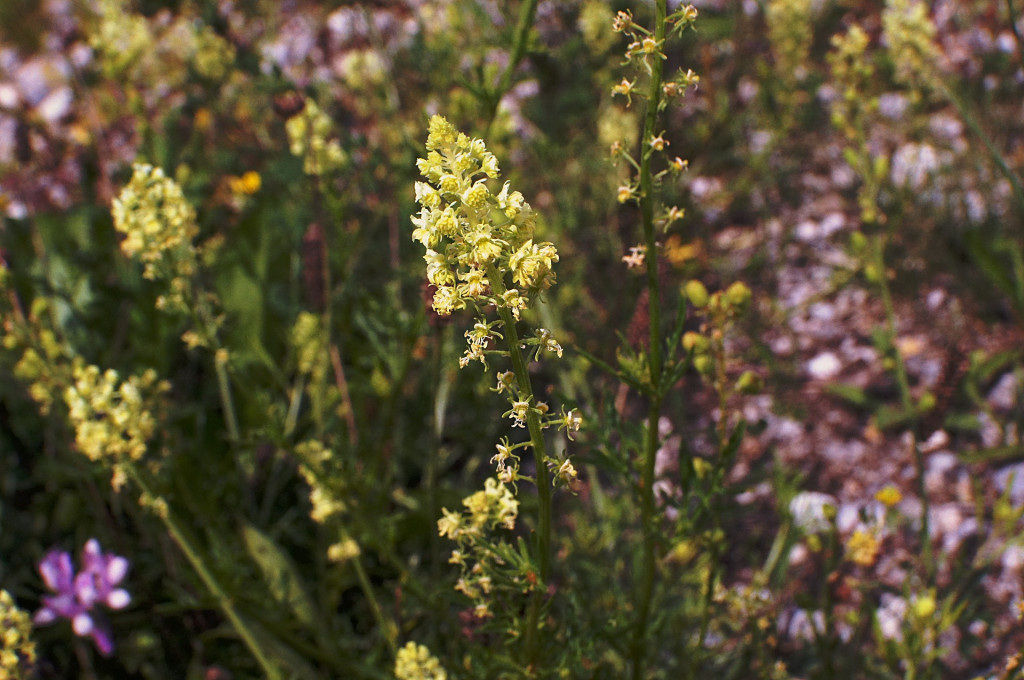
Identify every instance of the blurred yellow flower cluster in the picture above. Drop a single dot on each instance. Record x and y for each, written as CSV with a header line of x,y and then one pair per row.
x,y
910,34
490,507
159,225
111,417
309,139
415,662
17,651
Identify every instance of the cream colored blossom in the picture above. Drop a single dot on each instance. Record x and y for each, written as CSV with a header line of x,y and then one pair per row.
x,y
468,230
415,662
111,417
309,138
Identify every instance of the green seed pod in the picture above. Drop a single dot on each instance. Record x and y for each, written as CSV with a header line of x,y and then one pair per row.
x,y
704,363
738,295
696,342
858,243
696,293
749,383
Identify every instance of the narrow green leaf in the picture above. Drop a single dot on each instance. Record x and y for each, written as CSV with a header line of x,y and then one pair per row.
x,y
280,574
849,393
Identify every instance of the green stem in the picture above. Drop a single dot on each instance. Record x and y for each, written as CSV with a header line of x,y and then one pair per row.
x,y
526,17
655,360
226,402
543,480
227,604
908,406
387,627
1013,27
997,158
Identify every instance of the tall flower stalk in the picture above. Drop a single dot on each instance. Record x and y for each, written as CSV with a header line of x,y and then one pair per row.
x,y
481,253
646,53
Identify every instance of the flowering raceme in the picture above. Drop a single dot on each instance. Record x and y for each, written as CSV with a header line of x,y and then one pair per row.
x,y
479,244
159,226
111,417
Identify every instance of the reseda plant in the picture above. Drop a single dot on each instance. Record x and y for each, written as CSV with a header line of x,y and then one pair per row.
x,y
481,253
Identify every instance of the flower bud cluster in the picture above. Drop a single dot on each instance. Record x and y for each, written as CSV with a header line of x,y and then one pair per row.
x,y
121,37
910,35
485,510
790,33
644,46
415,662
328,495
854,76
36,366
493,507
707,346
159,226
17,649
111,417
213,55
853,73
479,244
309,138
307,339
133,49
317,467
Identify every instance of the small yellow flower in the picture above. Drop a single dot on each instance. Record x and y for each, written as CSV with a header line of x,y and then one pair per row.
x,y
862,548
450,524
924,606
566,473
625,88
343,551
246,185
572,422
659,143
889,496
623,21
203,119
636,257
519,412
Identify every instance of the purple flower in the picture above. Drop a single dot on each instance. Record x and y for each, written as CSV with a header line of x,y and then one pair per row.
x,y
77,595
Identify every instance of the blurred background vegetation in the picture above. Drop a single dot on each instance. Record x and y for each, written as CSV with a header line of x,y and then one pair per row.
x,y
883,249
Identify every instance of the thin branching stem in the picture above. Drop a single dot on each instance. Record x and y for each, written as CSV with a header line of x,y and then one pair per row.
x,y
543,480
645,588
527,14
906,402
224,600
